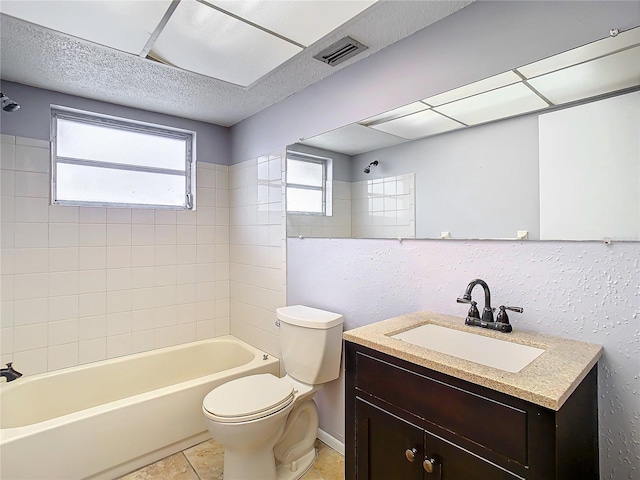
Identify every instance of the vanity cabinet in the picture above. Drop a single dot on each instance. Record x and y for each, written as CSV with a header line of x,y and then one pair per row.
x,y
406,422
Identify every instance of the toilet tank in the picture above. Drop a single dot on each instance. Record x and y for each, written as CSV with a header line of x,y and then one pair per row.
x,y
311,343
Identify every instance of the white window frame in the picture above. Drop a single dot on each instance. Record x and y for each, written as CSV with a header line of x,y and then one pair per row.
x,y
326,188
92,118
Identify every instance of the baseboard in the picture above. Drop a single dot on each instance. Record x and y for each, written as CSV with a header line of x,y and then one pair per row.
x,y
333,442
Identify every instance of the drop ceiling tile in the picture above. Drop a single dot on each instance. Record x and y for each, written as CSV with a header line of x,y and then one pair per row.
x,y
304,22
395,113
481,86
582,54
353,139
603,75
123,25
418,125
203,40
501,103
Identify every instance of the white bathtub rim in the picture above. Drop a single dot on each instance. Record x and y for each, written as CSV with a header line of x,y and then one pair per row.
x,y
16,433
53,373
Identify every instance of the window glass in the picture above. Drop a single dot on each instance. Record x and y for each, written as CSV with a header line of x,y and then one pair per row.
x,y
307,183
81,183
304,200
99,160
105,144
304,173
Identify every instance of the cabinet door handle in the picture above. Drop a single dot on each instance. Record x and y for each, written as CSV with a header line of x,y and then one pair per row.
x,y
411,453
429,464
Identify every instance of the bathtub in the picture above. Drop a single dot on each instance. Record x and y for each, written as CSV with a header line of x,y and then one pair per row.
x,y
105,419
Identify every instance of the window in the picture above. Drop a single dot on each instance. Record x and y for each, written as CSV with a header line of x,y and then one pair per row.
x,y
308,184
107,161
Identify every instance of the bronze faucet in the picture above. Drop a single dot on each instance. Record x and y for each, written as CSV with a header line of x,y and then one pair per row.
x,y
9,373
473,316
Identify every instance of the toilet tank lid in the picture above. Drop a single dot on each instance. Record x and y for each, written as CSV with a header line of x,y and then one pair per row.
x,y
309,317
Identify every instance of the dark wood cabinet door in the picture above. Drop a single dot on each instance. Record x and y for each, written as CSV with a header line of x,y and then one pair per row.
x,y
455,463
382,441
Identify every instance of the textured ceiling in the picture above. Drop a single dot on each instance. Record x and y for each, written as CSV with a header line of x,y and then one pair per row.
x,y
43,58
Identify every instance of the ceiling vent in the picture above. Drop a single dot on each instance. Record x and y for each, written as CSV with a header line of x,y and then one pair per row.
x,y
340,51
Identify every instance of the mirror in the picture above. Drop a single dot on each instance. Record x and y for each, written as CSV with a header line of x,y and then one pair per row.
x,y
546,151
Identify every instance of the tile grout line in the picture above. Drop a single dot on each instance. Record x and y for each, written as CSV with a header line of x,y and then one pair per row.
x,y
193,469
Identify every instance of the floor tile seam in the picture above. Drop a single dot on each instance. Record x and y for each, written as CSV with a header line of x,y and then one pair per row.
x,y
190,465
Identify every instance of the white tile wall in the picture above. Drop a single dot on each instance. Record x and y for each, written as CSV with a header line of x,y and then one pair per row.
x,y
257,250
384,207
84,284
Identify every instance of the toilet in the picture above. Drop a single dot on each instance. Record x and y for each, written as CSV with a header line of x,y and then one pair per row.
x,y
268,425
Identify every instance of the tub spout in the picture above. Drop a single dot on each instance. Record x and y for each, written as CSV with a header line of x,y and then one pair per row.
x,y
9,373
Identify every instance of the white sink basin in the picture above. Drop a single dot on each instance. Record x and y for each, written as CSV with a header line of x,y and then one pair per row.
x,y
501,354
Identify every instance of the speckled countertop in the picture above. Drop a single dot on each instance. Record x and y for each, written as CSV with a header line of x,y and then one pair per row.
x,y
547,381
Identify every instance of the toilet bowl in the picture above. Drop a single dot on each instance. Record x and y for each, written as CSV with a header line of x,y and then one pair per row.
x,y
273,430
268,425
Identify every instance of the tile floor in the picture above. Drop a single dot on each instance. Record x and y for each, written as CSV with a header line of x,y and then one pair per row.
x,y
204,462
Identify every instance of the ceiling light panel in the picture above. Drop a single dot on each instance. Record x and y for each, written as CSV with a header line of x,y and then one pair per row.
x,y
604,75
501,103
123,25
203,40
398,112
304,22
353,139
418,125
491,83
582,54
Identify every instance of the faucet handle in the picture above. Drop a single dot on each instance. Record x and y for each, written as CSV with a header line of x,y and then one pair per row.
x,y
473,311
515,309
502,314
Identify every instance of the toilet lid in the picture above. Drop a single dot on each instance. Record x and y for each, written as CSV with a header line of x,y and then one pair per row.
x,y
248,398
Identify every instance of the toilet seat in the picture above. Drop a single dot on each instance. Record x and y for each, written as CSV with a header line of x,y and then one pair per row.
x,y
248,398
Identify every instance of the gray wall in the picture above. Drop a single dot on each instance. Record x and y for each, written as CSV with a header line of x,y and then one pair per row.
x,y
480,182
584,291
34,117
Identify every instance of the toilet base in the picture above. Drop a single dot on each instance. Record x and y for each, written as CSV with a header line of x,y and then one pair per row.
x,y
297,468
264,468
